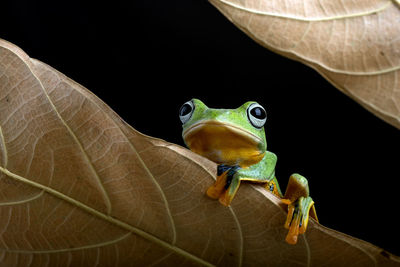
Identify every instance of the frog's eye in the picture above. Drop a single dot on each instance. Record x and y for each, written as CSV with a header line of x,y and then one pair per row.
x,y
186,111
257,115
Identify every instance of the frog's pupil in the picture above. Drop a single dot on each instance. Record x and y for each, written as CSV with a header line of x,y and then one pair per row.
x,y
185,109
258,113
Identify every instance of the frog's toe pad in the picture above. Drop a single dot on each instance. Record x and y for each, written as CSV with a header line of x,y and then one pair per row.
x,y
217,189
213,192
293,222
226,198
297,219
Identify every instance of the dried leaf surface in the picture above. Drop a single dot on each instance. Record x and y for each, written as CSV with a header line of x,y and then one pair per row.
x,y
355,45
79,187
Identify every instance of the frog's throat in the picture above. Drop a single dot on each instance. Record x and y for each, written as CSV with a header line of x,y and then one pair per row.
x,y
223,142
213,123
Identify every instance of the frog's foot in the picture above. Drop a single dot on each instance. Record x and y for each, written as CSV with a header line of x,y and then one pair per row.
x,y
216,190
222,189
300,207
298,216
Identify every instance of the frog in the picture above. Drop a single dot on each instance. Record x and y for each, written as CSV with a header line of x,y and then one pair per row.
x,y
235,140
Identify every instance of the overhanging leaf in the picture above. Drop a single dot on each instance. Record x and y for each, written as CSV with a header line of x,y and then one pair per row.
x,y
79,187
355,45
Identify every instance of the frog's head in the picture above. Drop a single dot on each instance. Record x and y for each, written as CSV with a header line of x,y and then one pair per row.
x,y
228,136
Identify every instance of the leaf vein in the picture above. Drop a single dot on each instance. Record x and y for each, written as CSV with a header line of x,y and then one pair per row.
x,y
172,148
108,218
101,244
4,148
19,202
141,162
104,193
300,18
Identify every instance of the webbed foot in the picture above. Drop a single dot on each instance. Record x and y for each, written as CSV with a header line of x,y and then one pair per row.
x,y
300,207
297,219
225,186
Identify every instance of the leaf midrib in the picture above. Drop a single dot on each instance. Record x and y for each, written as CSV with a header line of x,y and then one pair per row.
x,y
105,217
305,19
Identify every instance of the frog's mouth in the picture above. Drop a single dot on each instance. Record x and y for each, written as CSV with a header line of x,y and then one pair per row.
x,y
224,143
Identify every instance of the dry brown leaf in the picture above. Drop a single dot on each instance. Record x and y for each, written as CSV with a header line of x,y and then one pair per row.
x,y
355,45
79,187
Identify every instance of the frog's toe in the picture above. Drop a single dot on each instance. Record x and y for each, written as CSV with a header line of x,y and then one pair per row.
x,y
216,190
225,199
223,188
228,195
297,219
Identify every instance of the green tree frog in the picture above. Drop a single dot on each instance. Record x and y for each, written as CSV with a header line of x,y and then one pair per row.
x,y
235,140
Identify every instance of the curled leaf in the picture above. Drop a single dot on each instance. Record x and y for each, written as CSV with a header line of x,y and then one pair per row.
x,y
353,44
79,187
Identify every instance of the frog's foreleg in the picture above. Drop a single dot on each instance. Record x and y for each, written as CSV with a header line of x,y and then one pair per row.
x,y
231,186
218,187
300,207
226,184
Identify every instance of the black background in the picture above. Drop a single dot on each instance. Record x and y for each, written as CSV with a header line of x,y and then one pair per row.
x,y
146,58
